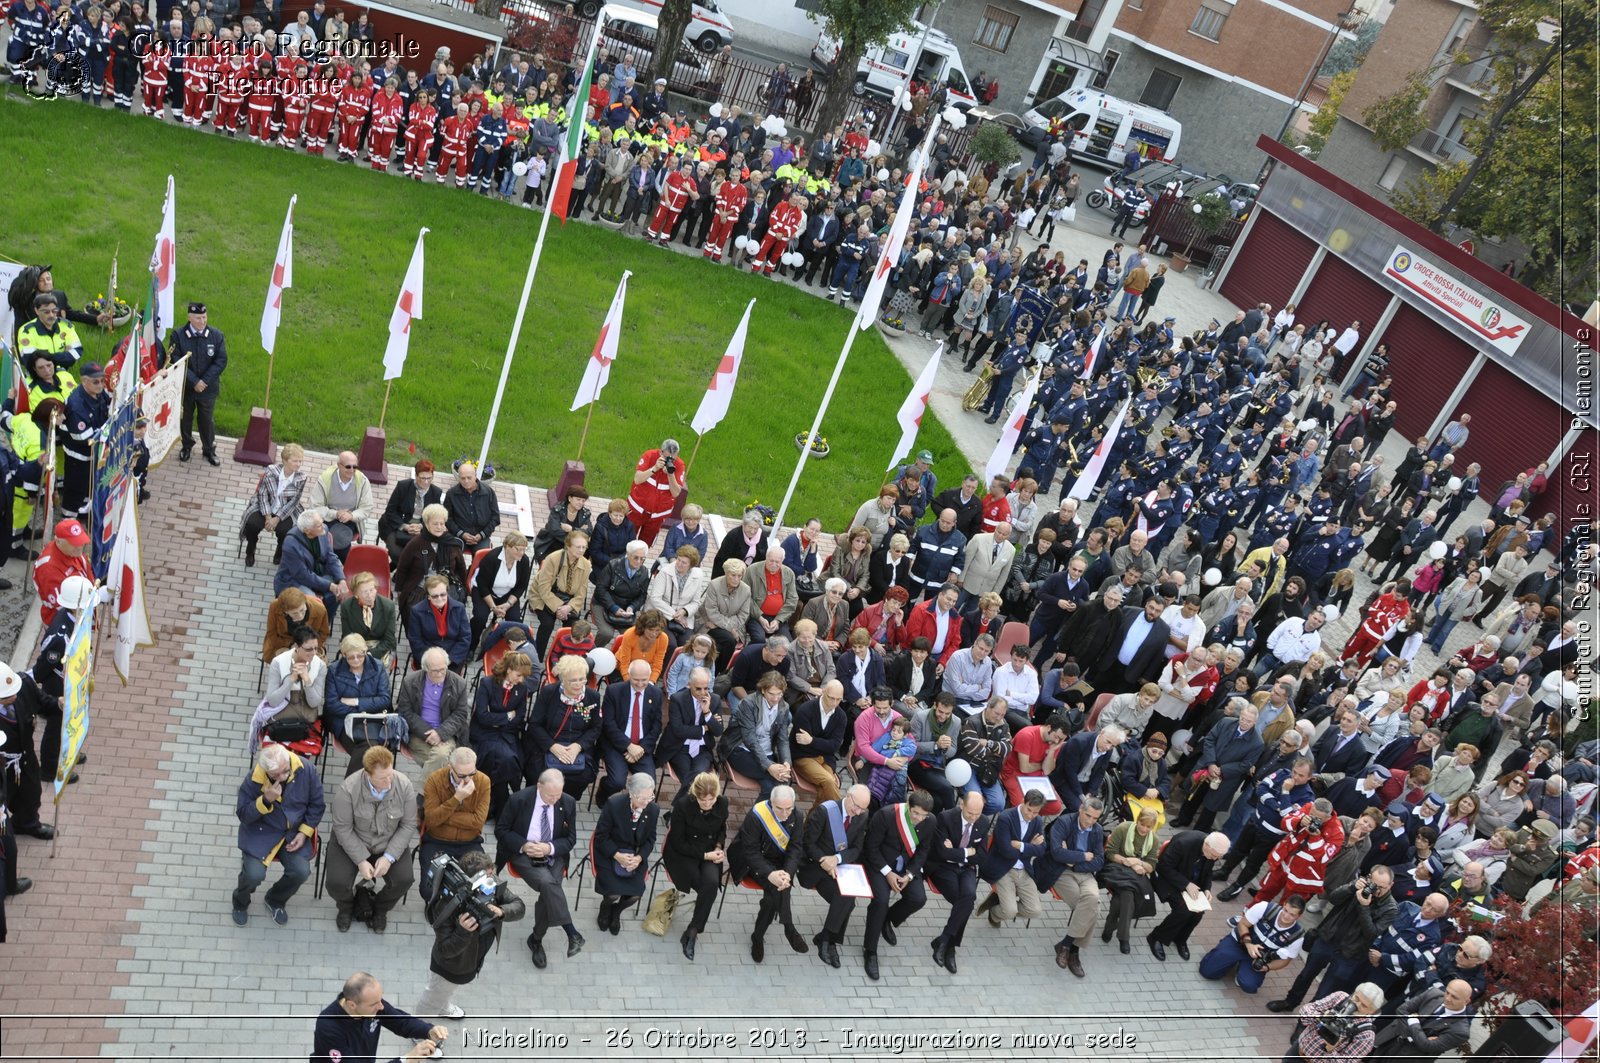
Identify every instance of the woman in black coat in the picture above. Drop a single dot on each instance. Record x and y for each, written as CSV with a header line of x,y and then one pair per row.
x,y
694,852
500,584
899,670
1388,533
499,717
748,543
1222,555
433,551
624,840
563,727
891,567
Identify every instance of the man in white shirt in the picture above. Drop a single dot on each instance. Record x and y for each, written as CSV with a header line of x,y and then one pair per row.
x,y
1018,683
1294,640
1348,339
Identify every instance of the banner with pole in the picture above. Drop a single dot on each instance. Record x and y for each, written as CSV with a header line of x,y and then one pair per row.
x,y
1094,468
125,581
113,474
597,370
914,408
77,668
1012,432
161,401
282,280
164,259
719,393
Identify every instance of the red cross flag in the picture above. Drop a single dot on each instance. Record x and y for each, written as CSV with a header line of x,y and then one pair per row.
x,y
407,308
1012,431
916,404
719,393
125,580
598,369
164,260
1096,466
160,402
282,279
890,256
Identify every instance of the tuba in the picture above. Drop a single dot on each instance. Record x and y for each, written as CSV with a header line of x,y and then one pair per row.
x,y
1147,375
979,391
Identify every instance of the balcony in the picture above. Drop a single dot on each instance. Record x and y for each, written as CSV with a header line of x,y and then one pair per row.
x,y
1435,147
1473,77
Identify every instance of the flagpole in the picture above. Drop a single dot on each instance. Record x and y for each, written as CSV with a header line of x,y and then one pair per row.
x,y
111,285
689,465
581,439
266,399
387,388
816,424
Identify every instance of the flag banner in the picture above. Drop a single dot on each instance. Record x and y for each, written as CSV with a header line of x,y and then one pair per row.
x,y
1090,358
1095,467
572,143
1012,432
598,369
890,256
161,402
125,581
76,669
164,260
10,374
281,280
719,393
915,406
113,473
407,308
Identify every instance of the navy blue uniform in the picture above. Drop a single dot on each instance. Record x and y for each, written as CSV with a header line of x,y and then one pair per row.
x,y
208,357
86,415
342,1038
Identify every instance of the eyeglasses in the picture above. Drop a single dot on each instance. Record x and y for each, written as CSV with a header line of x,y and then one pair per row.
x,y
439,597
345,467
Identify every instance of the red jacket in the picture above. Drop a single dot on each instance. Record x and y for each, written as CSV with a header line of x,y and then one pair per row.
x,y
675,193
1304,858
786,222
894,637
198,71
653,499
456,129
922,623
1434,702
423,120
156,64
354,102
386,112
50,570
731,200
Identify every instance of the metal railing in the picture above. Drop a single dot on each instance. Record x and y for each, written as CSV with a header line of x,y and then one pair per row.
x,y
1434,143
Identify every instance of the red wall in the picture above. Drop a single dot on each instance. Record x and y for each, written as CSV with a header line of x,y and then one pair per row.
x,y
1270,264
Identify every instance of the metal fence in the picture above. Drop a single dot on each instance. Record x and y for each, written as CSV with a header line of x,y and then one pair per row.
x,y
1172,222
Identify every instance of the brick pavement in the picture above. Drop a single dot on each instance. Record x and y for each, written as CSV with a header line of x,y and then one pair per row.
x,y
124,948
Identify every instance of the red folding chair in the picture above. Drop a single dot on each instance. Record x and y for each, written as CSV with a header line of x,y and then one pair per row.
x,y
472,571
369,557
1012,634
1093,719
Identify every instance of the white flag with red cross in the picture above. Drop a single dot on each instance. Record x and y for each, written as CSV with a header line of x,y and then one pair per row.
x,y
161,401
890,256
164,260
1011,432
598,369
719,393
282,279
915,406
407,308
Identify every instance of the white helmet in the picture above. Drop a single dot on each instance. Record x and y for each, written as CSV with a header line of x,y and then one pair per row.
x,y
75,592
10,682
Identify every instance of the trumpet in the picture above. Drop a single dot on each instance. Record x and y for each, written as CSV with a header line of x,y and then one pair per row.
x,y
979,391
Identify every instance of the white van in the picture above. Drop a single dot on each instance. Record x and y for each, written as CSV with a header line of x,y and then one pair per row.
x,y
1105,128
709,29
883,70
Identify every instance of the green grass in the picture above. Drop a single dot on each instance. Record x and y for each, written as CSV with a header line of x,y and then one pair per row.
x,y
94,180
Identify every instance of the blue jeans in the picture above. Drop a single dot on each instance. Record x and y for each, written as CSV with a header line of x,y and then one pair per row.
x,y
252,872
1439,633
746,764
994,797
1129,301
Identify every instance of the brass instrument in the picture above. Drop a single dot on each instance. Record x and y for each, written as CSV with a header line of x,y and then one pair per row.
x,y
1147,376
979,391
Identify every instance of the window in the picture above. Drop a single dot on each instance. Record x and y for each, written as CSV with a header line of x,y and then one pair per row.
x,y
1160,89
1110,61
1392,174
995,29
1209,18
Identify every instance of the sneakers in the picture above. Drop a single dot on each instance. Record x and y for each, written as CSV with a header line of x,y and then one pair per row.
x,y
279,915
240,917
453,1011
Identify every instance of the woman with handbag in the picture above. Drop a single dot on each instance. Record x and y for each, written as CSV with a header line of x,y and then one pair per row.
x,y
570,517
296,681
357,682
624,839
499,717
561,589
1130,861
434,551
694,853
563,726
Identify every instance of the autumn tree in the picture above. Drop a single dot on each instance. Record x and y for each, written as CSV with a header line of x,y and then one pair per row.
x,y
675,17
857,26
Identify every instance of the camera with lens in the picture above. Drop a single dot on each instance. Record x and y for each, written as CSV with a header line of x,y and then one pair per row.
x,y
1339,1023
670,466
1366,891
470,893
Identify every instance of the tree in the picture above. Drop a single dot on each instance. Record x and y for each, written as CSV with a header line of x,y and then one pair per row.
x,y
1396,120
1348,52
1532,173
857,26
991,142
1546,959
675,17
1327,117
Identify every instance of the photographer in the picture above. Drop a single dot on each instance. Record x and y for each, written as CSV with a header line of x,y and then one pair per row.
x,y
1266,937
466,914
1361,911
657,483
1337,1027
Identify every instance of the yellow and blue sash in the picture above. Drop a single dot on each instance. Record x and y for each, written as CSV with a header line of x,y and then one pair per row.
x,y
775,829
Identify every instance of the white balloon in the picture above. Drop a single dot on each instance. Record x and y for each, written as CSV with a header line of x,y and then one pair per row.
x,y
716,110
1213,577
958,773
955,118
602,661
741,242
904,103
883,174
1454,484
1438,550
874,149
796,258
1180,740
1330,613
519,167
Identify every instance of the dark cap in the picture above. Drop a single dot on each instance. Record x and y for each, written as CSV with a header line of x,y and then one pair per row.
x,y
1399,808
1432,798
89,369
197,308
44,299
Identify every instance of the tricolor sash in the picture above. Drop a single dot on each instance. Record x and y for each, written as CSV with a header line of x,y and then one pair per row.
x,y
908,829
775,829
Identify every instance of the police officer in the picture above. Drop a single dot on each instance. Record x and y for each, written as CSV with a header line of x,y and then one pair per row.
x,y
88,408
47,333
208,357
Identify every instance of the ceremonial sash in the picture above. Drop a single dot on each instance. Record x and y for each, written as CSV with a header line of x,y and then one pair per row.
x,y
836,824
908,829
775,830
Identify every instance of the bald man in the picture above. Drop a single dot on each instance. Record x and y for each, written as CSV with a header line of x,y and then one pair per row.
x,y
821,725
834,834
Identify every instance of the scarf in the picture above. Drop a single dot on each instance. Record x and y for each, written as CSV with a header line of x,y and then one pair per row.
x,y
1131,846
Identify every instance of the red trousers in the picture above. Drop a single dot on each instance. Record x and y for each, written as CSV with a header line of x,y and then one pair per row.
x,y
766,259
260,122
349,137
194,105
318,122
1275,881
227,115
154,97
661,223
717,238
1361,645
416,158
380,145
294,119
460,159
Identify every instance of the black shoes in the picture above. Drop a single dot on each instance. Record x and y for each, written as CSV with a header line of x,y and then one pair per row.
x,y
796,941
950,959
1280,1006
827,952
185,453
1233,890
758,949
1157,950
940,951
687,941
870,961
342,921
23,885
888,933
536,947
1105,935
43,831
379,923
211,459
1182,950
1126,948
574,944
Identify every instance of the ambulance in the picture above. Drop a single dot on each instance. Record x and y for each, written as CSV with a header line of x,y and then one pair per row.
x,y
885,67
1103,128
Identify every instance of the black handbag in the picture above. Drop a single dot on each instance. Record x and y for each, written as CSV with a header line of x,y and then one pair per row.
x,y
1119,878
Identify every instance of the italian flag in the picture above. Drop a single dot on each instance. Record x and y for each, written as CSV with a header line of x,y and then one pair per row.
x,y
572,143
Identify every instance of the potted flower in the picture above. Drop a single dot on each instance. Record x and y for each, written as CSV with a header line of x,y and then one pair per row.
x,y
1211,213
116,306
892,324
766,513
818,444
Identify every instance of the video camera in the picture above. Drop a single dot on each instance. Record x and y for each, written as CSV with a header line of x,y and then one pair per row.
x,y
472,894
1340,1023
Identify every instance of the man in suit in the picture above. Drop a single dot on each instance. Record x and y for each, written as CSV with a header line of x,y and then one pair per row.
x,y
1015,841
898,839
630,727
835,832
960,835
986,566
1229,752
1340,750
535,834
402,517
768,851
1183,870
1435,1021
820,731
692,727
1418,534
1081,768
1075,851
1136,649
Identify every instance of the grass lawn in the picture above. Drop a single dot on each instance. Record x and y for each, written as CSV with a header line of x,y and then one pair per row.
x,y
95,180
